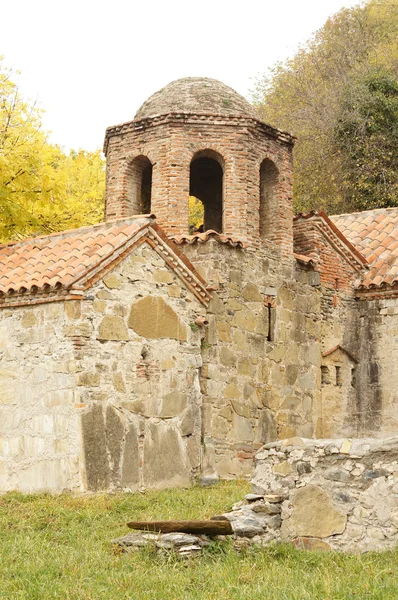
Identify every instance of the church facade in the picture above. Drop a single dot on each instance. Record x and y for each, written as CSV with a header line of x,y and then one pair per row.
x,y
136,354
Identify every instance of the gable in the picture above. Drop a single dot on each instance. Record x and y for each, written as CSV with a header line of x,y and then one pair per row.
x,y
64,265
339,263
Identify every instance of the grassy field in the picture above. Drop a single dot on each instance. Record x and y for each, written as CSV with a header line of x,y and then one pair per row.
x,y
59,547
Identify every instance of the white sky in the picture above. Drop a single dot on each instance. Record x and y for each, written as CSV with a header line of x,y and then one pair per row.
x,y
91,63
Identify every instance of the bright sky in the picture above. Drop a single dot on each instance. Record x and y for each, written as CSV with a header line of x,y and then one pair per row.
x,y
91,63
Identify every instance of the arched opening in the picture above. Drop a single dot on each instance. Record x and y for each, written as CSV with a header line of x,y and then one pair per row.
x,y
139,185
206,184
268,197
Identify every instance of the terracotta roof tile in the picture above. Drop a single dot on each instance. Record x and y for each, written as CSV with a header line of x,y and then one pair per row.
x,y
201,238
375,235
72,260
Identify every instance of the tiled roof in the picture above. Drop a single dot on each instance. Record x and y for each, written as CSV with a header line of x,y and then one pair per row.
x,y
69,261
201,238
375,234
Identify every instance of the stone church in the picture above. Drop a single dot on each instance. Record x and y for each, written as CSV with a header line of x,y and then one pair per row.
x,y
135,354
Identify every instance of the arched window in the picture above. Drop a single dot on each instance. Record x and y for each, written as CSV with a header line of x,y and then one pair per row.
x,y
268,197
206,184
139,185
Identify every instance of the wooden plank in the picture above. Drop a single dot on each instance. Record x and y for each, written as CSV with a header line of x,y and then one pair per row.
x,y
222,527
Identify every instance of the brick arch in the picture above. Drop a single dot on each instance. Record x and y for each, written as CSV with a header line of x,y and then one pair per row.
x,y
206,182
269,192
137,175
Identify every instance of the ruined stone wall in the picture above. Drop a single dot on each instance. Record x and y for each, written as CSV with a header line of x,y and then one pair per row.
x,y
260,380
39,429
171,141
103,393
333,493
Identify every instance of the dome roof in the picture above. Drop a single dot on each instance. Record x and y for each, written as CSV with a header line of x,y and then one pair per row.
x,y
196,95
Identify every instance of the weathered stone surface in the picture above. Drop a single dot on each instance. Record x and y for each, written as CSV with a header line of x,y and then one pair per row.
x,y
112,281
94,447
131,460
251,293
153,318
314,514
114,432
163,276
114,328
266,427
173,404
165,460
242,429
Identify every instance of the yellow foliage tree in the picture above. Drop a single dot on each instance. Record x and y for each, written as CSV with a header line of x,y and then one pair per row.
x,y
42,189
195,213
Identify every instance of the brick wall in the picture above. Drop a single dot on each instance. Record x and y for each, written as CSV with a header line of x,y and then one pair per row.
x,y
171,141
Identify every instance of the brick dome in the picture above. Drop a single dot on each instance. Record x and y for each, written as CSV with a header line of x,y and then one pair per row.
x,y
196,95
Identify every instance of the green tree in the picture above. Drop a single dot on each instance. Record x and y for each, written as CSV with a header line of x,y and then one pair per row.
x,y
42,189
366,137
309,95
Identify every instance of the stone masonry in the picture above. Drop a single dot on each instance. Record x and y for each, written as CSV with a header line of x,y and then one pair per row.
x,y
136,354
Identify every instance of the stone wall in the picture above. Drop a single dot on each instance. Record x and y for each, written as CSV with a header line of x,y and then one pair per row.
x,y
261,354
338,493
103,393
140,377
39,400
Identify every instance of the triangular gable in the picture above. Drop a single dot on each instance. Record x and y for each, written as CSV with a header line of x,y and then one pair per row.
x,y
335,349
64,265
334,237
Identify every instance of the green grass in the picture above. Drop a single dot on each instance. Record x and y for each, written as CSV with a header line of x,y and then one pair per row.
x,y
59,547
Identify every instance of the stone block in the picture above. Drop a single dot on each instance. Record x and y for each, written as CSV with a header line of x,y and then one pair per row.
x,y
227,357
172,405
152,318
114,328
266,427
163,276
165,461
97,472
241,408
88,379
104,295
118,383
313,515
242,429
112,281
174,291
73,309
80,330
251,294
114,433
29,319
189,420
99,305
131,460
232,391
224,331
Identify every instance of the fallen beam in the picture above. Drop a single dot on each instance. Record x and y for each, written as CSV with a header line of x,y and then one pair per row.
x,y
222,527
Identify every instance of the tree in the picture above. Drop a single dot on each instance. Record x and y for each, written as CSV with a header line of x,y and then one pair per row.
x,y
42,189
366,137
309,95
195,213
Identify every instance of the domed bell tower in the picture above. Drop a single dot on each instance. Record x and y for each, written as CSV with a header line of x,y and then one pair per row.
x,y
199,137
